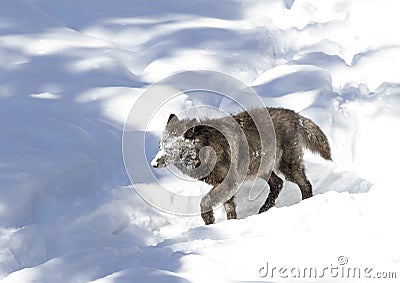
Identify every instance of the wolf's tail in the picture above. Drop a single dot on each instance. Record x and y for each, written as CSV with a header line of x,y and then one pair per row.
x,y
314,139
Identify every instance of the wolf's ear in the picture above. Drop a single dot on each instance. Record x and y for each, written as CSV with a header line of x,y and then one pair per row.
x,y
172,116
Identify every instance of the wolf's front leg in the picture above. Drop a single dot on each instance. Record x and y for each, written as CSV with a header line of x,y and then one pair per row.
x,y
223,193
230,209
206,209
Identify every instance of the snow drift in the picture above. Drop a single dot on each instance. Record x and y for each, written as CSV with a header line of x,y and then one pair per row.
x,y
70,72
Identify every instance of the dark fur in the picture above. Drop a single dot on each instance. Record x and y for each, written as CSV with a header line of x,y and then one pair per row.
x,y
293,132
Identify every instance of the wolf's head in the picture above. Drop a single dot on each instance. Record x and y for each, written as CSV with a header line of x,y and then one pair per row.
x,y
174,146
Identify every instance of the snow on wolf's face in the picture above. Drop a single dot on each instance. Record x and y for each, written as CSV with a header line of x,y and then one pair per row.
x,y
174,148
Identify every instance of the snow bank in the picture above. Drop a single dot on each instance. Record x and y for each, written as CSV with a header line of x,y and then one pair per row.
x,y
70,72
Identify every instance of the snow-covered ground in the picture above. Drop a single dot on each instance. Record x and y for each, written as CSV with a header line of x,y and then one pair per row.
x,y
70,72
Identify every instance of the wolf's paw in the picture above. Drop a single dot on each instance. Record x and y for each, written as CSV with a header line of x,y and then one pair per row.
x,y
231,215
264,208
208,217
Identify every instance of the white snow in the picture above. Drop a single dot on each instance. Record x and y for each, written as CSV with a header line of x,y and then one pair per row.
x,y
70,72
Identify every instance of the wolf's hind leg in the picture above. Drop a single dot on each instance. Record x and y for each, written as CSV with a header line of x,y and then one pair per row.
x,y
299,177
305,186
230,209
275,186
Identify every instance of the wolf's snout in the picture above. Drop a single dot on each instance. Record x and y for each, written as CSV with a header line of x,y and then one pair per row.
x,y
158,161
155,162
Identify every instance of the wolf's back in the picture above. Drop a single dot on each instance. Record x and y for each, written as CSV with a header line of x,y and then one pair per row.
x,y
313,137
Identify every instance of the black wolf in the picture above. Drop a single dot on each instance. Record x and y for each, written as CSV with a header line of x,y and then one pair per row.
x,y
183,140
